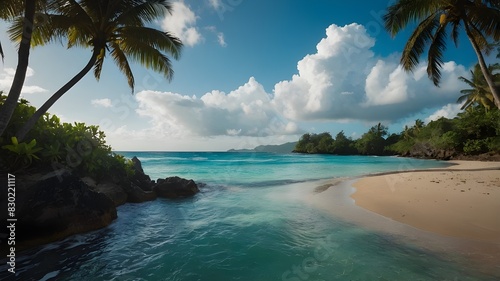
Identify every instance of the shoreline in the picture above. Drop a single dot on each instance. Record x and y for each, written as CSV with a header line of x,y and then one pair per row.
x,y
342,201
462,200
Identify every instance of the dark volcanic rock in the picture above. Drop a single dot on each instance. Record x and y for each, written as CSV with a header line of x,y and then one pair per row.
x,y
138,195
114,192
58,207
426,150
139,178
175,187
137,165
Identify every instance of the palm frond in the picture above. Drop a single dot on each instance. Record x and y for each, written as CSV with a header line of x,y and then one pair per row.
x,y
435,55
162,41
11,9
455,32
468,103
99,63
462,98
467,91
149,57
465,80
480,39
486,18
417,42
403,12
122,62
146,11
74,10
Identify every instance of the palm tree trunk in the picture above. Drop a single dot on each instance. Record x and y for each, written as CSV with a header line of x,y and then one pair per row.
x,y
1,51
482,64
21,134
10,104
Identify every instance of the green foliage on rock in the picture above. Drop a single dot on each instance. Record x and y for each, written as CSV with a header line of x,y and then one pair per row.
x,y
56,146
24,152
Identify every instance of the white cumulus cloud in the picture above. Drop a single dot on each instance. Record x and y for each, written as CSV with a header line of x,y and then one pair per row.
x,y
246,111
345,80
7,76
182,23
102,103
448,111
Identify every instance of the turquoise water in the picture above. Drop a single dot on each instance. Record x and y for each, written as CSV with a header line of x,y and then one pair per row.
x,y
241,226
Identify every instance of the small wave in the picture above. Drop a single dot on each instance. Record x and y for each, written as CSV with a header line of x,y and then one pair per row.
x,y
244,160
50,275
199,158
145,159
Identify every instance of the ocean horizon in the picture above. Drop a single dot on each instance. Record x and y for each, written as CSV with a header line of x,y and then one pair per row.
x,y
245,224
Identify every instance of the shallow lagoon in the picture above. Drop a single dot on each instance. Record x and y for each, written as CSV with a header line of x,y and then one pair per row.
x,y
246,224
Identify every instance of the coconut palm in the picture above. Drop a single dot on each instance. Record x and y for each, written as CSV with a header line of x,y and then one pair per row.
x,y
480,92
407,133
436,19
9,9
115,27
419,124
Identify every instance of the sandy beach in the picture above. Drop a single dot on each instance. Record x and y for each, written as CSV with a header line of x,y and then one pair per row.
x,y
452,211
460,201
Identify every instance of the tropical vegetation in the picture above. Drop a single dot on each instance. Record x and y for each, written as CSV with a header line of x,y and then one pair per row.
x,y
117,27
479,93
438,19
473,132
8,10
57,147
120,28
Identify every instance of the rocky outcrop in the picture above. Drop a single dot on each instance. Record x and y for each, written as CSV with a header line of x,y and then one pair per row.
x,y
426,150
60,206
52,206
139,178
114,192
136,189
175,187
137,195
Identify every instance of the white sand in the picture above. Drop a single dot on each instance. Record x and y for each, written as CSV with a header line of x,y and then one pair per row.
x,y
450,201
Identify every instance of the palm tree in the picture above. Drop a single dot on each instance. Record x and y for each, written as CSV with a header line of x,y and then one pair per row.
x,y
479,18
379,130
407,133
419,124
479,92
117,27
9,9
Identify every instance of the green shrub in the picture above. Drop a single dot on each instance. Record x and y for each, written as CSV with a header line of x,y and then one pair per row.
x,y
54,146
473,147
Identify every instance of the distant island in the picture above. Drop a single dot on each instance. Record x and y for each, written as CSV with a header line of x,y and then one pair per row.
x,y
280,148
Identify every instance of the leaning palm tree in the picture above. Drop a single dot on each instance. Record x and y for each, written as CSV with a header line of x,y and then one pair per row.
x,y
8,10
419,124
117,27
480,92
436,18
407,133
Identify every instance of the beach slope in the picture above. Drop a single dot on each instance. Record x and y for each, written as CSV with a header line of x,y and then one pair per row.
x,y
460,201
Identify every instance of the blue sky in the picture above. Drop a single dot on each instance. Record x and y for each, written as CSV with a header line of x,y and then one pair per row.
x,y
251,73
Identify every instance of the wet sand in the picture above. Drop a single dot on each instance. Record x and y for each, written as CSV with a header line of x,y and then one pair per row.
x,y
454,211
460,201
